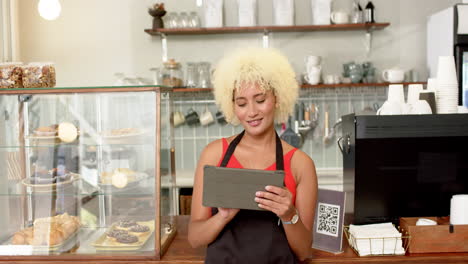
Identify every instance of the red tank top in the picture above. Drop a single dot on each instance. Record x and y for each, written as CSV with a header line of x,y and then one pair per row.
x,y
288,177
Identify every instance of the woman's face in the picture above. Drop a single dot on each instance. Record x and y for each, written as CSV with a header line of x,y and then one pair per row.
x,y
255,108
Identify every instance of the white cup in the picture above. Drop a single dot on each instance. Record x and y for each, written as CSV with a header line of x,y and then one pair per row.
x,y
413,92
312,60
206,118
396,93
459,209
420,107
446,73
390,108
393,75
432,84
329,79
337,79
313,78
339,17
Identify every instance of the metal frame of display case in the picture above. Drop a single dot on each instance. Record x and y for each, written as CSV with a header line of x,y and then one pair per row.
x,y
159,248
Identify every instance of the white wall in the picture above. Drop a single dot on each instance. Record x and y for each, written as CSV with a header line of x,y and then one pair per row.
x,y
94,39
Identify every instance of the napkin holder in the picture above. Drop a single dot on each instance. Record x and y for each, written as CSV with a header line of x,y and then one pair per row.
x,y
442,237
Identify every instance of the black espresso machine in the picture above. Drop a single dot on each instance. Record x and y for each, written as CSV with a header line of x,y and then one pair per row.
x,y
403,165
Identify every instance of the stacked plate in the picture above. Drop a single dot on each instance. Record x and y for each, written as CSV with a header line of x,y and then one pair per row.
x,y
447,86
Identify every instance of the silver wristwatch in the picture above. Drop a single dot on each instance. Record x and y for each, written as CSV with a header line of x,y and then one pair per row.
x,y
294,219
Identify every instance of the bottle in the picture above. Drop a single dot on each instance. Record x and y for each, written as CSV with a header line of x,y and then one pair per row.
x,y
370,13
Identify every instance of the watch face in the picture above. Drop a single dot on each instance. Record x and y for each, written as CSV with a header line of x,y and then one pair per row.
x,y
295,219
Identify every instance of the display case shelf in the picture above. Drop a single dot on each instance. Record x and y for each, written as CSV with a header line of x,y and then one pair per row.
x,y
266,29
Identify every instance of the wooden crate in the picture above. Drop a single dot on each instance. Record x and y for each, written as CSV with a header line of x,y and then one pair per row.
x,y
437,238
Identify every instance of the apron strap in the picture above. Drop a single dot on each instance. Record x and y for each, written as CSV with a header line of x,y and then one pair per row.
x,y
235,142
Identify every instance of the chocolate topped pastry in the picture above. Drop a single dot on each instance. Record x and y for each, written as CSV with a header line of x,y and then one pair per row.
x,y
126,239
139,228
116,233
126,223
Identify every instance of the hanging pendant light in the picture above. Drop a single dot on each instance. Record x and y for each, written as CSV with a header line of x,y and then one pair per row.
x,y
49,9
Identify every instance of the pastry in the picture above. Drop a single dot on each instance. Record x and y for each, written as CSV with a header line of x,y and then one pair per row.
x,y
47,231
138,230
67,132
46,130
116,232
119,180
126,239
125,224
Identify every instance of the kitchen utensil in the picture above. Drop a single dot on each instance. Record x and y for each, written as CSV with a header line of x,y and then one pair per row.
x,y
326,131
291,136
332,132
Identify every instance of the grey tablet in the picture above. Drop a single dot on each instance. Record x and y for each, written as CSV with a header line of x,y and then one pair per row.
x,y
235,188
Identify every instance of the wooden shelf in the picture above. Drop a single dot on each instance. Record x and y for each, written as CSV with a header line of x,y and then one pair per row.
x,y
384,84
308,86
260,29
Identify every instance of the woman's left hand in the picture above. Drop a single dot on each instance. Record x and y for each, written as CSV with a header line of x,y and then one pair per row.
x,y
277,200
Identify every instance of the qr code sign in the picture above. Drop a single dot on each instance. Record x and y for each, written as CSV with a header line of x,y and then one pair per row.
x,y
328,219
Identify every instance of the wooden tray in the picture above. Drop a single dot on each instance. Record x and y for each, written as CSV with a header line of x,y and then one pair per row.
x,y
436,238
103,243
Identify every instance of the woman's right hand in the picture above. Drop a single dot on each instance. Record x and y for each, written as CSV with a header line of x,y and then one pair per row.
x,y
227,213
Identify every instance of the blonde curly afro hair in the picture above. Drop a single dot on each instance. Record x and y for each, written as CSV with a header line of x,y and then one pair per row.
x,y
265,66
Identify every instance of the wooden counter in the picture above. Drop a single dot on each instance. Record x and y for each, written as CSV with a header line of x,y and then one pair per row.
x,y
181,252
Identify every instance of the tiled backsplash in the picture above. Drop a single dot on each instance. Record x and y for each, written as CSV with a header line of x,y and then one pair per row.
x,y
190,141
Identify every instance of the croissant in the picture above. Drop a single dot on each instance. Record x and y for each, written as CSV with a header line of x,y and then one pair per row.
x,y
47,231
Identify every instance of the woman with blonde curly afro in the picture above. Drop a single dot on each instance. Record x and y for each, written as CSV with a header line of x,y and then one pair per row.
x,y
255,88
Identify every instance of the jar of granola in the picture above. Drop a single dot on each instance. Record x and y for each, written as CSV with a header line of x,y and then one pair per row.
x,y
11,75
39,75
172,74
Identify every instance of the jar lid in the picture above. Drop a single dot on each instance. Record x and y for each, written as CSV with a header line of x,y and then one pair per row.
x,y
171,64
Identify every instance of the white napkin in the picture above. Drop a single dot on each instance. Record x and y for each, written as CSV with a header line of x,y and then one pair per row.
x,y
375,239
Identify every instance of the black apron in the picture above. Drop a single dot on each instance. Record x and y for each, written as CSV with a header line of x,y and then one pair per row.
x,y
251,237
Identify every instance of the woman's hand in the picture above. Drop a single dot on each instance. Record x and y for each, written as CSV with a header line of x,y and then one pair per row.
x,y
227,213
277,200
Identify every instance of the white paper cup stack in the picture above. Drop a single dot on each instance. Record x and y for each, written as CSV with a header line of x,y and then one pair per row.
x,y
459,209
447,86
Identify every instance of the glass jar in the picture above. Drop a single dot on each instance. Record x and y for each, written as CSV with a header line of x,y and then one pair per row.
x,y
39,75
172,74
11,75
204,75
192,75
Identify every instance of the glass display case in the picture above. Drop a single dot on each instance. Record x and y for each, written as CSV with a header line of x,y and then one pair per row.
x,y
86,173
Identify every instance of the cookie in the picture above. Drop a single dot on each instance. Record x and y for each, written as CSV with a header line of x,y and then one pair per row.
x,y
126,239
138,229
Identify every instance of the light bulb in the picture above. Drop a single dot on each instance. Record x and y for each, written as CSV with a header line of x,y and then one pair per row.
x,y
49,9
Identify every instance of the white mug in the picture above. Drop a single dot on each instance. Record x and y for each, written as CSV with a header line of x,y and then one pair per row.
x,y
339,17
329,79
393,75
312,60
313,78
206,118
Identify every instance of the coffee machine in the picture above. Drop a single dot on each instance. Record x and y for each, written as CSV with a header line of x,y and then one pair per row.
x,y
403,165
